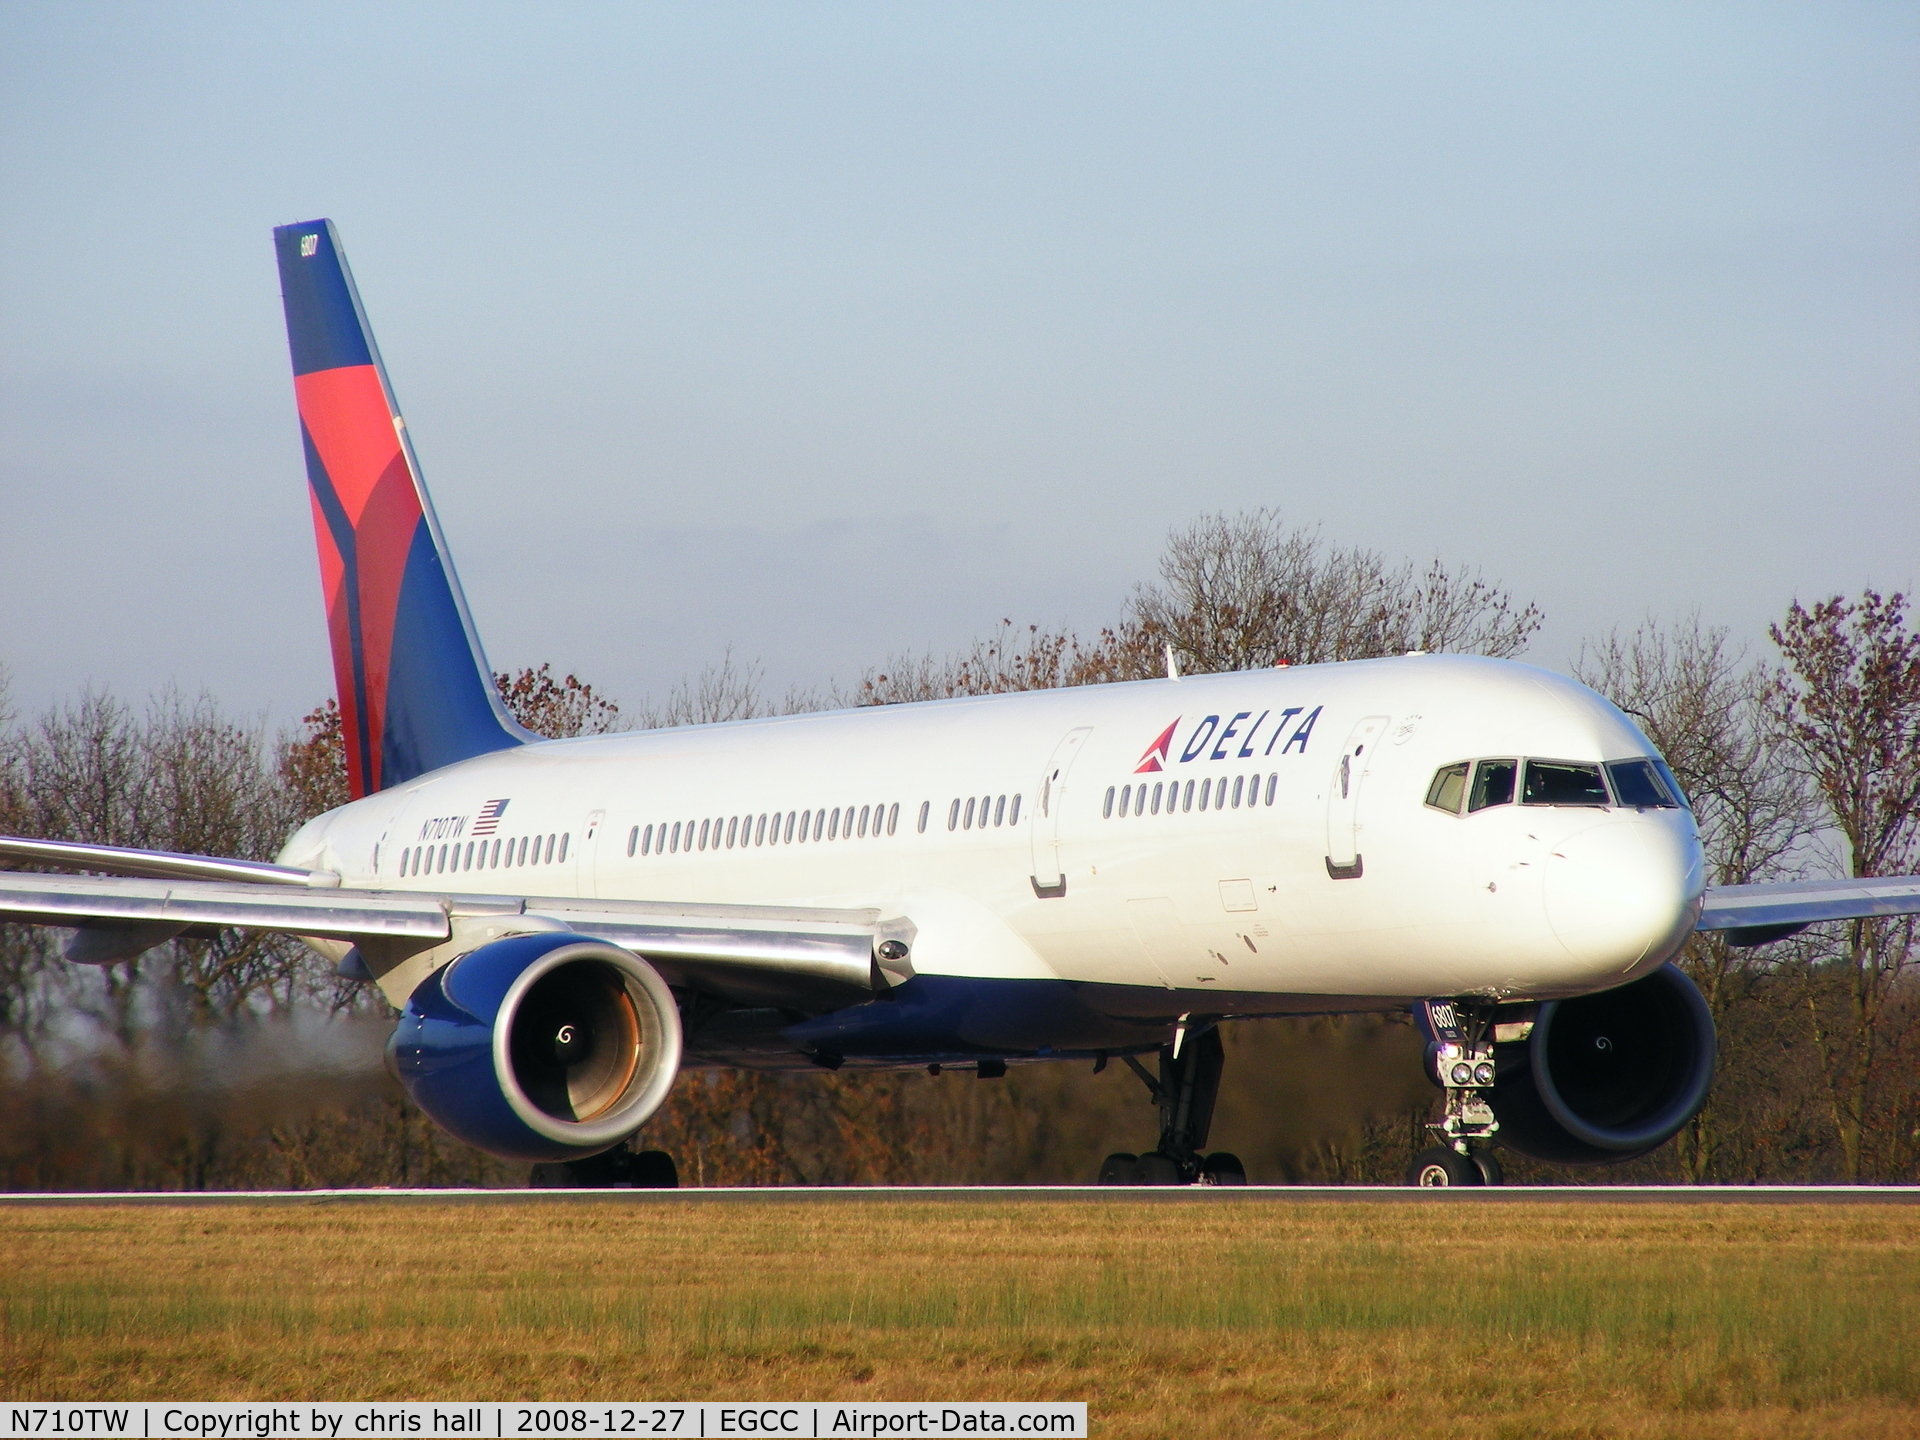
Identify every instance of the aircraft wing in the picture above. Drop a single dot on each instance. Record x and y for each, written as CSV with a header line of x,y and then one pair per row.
x,y
1760,914
804,958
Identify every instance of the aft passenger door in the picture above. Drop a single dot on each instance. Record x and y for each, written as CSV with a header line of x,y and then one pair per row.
x,y
1344,861
1049,880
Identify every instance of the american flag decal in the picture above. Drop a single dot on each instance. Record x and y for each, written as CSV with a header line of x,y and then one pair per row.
x,y
489,818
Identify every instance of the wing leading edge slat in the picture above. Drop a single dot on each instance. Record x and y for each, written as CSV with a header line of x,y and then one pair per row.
x,y
74,900
159,864
1799,903
760,954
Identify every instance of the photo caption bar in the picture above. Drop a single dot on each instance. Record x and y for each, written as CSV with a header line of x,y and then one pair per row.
x,y
692,1419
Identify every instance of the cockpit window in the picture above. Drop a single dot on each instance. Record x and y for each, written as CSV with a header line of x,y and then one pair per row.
x,y
1673,785
1554,782
1449,788
1492,784
1637,783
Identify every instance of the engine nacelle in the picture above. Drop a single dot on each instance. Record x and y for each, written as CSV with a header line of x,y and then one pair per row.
x,y
539,1047
1607,1077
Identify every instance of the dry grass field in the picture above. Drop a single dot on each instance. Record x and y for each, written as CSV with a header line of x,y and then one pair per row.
x,y
1176,1320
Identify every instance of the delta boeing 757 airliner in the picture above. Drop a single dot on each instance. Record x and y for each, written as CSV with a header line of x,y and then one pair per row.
x,y
1105,872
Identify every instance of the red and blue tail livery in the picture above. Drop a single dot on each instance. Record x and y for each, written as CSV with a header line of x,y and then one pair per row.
x,y
415,691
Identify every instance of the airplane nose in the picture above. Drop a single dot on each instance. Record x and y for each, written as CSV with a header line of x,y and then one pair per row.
x,y
1624,895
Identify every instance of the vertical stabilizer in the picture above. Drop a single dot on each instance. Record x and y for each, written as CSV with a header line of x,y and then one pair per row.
x,y
415,691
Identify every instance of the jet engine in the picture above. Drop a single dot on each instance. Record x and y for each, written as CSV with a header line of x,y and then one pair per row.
x,y
539,1047
1606,1077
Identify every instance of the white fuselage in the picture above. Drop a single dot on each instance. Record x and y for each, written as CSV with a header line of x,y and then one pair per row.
x,y
1517,900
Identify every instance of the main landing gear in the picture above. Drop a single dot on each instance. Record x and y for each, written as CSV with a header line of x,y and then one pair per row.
x,y
1188,1084
1460,1061
615,1169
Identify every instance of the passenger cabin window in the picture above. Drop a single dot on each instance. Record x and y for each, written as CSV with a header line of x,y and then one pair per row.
x,y
1637,783
1492,784
1554,782
1449,787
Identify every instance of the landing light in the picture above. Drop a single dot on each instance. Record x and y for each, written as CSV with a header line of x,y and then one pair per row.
x,y
1483,1073
1463,1074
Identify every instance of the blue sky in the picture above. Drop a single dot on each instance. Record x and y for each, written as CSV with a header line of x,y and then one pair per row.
x,y
825,332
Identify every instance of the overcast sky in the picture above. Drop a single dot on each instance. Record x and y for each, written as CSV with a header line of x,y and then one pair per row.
x,y
826,332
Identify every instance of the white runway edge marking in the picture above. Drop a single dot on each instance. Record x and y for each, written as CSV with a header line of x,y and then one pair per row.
x,y
1015,1194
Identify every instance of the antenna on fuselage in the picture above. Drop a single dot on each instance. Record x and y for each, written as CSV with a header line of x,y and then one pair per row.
x,y
1173,666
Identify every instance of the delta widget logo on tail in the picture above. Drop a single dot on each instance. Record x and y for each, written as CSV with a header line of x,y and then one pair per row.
x,y
1211,740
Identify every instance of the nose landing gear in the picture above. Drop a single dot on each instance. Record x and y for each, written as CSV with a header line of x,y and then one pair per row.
x,y
1459,1060
1187,1086
1442,1165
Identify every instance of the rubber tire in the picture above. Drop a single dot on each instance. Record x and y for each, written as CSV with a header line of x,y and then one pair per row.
x,y
654,1170
1223,1168
1120,1168
1159,1169
1438,1167
1489,1166
596,1172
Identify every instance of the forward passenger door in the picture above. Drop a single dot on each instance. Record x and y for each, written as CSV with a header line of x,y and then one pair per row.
x,y
1344,861
1049,879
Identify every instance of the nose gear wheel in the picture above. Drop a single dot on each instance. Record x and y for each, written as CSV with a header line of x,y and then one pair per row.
x,y
1460,1059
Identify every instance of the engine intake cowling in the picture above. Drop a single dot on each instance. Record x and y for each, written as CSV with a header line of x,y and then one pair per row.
x,y
1607,1077
539,1047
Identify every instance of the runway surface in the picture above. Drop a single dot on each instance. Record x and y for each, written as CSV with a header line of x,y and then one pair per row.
x,y
1021,1194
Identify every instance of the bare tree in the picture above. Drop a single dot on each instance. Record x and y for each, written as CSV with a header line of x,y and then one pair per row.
x,y
24,956
1247,591
557,709
729,690
313,766
1847,699
1235,592
181,777
1009,659
1697,698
